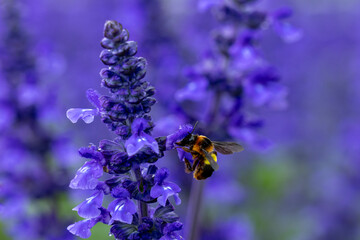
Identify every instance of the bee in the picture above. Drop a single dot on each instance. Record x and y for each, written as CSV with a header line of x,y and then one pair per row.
x,y
204,153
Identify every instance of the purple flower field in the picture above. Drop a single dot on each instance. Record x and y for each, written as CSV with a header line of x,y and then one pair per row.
x,y
179,119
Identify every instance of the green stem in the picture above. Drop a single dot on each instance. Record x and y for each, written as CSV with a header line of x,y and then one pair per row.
x,y
194,210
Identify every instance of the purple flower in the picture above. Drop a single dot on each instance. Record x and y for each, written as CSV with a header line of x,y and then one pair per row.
x,y
125,112
87,176
82,228
139,139
182,132
90,207
182,154
170,231
87,115
122,210
164,189
91,152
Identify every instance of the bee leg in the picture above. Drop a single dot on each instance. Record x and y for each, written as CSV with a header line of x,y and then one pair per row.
x,y
188,167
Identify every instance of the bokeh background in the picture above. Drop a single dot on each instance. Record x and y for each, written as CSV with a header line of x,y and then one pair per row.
x,y
305,187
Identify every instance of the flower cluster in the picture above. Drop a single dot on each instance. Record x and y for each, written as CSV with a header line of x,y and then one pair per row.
x,y
31,175
123,168
233,81
234,74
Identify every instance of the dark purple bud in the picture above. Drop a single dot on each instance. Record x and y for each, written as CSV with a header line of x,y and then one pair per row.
x,y
166,213
150,91
148,102
172,227
113,182
122,230
146,224
91,152
122,37
103,187
104,216
112,29
108,58
107,73
128,48
107,43
152,169
123,130
255,19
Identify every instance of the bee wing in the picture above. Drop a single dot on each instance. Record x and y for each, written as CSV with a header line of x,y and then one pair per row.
x,y
227,147
213,164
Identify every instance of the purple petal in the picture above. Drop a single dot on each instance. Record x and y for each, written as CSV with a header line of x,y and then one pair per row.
x,y
172,227
156,191
90,207
87,115
81,229
161,175
163,192
177,199
93,97
178,135
122,210
182,155
174,187
139,125
91,152
162,199
136,142
120,192
87,176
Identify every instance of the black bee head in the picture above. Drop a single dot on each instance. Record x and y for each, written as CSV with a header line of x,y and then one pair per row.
x,y
187,141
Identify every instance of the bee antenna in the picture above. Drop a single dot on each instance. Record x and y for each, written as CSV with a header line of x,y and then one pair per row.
x,y
194,127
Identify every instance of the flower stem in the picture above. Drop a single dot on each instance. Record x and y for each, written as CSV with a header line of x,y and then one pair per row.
x,y
197,187
194,210
142,206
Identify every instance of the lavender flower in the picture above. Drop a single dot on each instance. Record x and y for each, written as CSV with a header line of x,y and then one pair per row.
x,y
31,175
126,162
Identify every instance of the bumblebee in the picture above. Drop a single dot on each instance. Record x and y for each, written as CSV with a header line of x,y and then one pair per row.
x,y
204,153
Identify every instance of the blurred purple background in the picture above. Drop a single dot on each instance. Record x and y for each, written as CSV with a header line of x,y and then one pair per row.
x,y
306,186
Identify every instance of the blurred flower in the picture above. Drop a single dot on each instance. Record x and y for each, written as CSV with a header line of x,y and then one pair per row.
x,y
32,175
